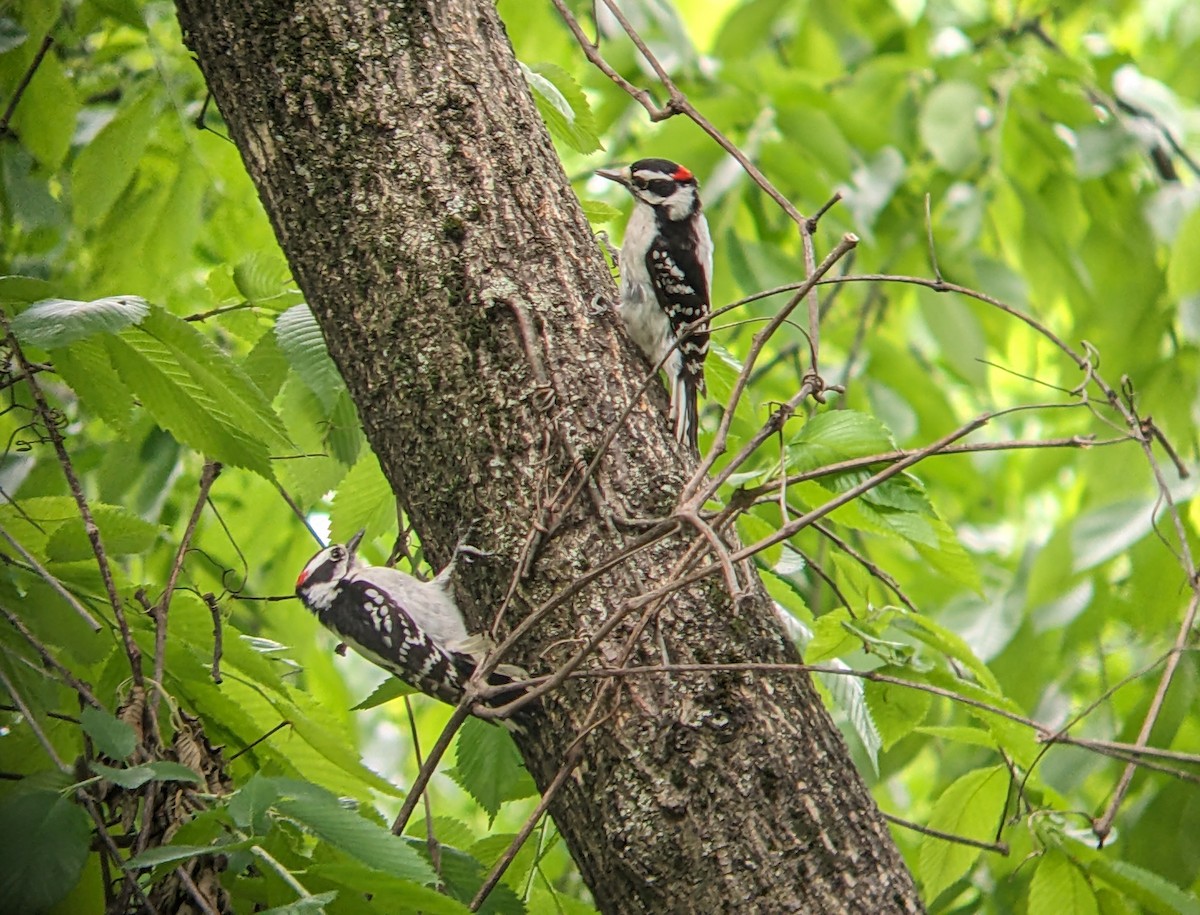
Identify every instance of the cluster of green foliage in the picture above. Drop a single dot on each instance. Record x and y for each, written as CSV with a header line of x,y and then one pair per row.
x,y
143,283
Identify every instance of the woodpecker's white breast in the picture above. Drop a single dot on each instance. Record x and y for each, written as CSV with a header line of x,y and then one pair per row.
x,y
644,318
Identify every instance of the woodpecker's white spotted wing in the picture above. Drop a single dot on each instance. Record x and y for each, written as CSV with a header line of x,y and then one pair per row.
x,y
682,291
371,622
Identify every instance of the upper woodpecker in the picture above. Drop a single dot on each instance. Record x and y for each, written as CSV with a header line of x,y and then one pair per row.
x,y
411,628
666,278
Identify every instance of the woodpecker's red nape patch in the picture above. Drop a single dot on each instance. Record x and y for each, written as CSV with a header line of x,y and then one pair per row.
x,y
682,174
301,578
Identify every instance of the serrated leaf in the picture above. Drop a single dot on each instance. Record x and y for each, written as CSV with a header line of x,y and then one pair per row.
x,y
343,432
563,106
248,807
489,767
896,710
122,533
16,289
950,644
971,807
1148,889
112,736
136,776
363,499
300,338
231,388
976,737
53,323
848,433
106,165
848,694
262,276
463,875
164,854
389,689
196,392
830,639
597,211
1060,888
368,842
44,843
312,903
388,894
86,368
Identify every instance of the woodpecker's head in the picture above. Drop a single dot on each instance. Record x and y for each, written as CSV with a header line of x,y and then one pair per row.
x,y
666,186
319,582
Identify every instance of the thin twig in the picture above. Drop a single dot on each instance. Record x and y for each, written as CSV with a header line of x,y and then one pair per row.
x,y
54,583
33,723
26,77
435,850
49,660
1000,848
198,897
208,476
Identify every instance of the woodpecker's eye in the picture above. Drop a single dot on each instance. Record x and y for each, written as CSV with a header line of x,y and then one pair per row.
x,y
661,187
337,553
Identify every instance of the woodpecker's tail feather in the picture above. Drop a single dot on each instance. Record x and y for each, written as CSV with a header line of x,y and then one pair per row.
x,y
685,409
510,679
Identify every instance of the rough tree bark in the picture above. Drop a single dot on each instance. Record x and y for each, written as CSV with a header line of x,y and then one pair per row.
x,y
428,221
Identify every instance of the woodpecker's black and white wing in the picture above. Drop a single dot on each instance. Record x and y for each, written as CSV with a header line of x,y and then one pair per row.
x,y
373,623
682,287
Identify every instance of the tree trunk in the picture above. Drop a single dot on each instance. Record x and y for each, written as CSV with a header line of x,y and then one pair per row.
x,y
428,221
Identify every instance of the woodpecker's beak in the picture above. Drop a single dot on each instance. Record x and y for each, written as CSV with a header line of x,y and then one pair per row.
x,y
619,175
353,542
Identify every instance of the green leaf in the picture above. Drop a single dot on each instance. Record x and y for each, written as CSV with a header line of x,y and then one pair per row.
x,y
165,854
16,289
231,388
313,903
197,393
53,323
837,435
136,776
112,736
106,165
563,106
45,119
364,499
249,806
848,694
1148,889
1183,270
597,211
831,638
950,644
86,368
948,124
300,338
489,767
122,533
44,842
897,710
1060,888
370,843
389,689
971,807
